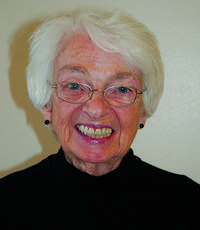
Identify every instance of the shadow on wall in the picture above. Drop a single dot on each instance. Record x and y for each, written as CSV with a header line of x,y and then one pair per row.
x,y
19,54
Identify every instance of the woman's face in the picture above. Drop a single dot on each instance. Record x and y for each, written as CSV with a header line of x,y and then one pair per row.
x,y
81,59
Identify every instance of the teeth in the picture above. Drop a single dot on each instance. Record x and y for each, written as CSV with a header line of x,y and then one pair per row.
x,y
98,132
90,131
95,133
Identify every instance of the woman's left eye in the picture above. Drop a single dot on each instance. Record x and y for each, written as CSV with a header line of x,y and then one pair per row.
x,y
74,86
123,89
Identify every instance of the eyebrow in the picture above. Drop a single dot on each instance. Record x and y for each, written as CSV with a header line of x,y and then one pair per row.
x,y
82,70
123,75
72,68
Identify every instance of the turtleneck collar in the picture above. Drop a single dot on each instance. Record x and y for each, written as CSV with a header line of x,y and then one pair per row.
x,y
80,182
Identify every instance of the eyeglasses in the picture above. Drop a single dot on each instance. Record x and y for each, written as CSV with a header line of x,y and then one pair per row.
x,y
79,93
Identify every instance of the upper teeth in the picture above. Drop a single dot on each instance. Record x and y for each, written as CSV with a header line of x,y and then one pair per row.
x,y
95,133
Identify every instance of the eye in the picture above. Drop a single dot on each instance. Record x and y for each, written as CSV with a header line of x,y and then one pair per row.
x,y
74,86
123,89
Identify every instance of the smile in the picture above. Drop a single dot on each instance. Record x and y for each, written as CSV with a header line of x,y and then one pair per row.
x,y
95,133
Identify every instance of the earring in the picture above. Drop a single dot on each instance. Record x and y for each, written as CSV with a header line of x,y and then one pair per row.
x,y
141,126
46,122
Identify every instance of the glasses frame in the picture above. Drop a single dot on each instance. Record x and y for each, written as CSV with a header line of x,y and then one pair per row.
x,y
56,86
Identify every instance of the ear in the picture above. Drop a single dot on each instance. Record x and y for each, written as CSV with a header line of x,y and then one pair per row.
x,y
47,111
143,118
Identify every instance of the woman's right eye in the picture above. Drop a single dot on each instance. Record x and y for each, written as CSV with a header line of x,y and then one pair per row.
x,y
123,89
73,86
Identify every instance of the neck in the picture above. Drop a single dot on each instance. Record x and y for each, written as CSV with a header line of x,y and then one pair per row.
x,y
95,169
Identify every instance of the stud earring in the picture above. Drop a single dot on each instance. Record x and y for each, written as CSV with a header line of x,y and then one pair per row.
x,y
46,122
141,126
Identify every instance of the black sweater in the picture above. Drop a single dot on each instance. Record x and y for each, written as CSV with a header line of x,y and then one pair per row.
x,y
55,195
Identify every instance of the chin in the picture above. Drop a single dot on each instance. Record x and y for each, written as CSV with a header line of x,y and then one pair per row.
x,y
94,156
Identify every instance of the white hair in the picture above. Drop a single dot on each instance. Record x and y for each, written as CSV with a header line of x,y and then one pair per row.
x,y
115,32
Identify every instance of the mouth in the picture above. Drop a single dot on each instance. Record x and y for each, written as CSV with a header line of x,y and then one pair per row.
x,y
97,133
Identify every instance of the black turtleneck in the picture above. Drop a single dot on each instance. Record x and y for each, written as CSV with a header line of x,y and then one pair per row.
x,y
54,194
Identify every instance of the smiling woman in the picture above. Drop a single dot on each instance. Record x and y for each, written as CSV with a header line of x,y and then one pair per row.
x,y
99,155
97,76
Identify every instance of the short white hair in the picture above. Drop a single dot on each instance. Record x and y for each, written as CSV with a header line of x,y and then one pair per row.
x,y
114,32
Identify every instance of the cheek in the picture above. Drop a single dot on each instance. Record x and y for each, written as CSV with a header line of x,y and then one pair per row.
x,y
129,121
62,115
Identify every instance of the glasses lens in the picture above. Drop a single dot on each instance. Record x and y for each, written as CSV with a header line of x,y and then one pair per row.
x,y
73,92
120,95
77,93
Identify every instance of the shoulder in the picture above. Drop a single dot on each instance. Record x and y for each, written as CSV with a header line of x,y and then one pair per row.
x,y
28,176
162,182
162,193
161,176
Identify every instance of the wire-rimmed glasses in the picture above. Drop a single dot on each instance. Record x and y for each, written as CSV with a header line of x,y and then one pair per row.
x,y
79,93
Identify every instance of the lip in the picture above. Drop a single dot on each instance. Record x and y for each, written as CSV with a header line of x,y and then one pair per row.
x,y
91,139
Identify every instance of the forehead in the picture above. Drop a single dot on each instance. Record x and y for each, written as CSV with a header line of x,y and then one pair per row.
x,y
81,51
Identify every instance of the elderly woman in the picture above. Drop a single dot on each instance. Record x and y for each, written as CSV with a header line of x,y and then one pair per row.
x,y
96,76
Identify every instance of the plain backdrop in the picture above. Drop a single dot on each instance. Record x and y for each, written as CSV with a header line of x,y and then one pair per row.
x,y
170,139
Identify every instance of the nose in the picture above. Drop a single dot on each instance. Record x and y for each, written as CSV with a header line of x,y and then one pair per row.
x,y
96,107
